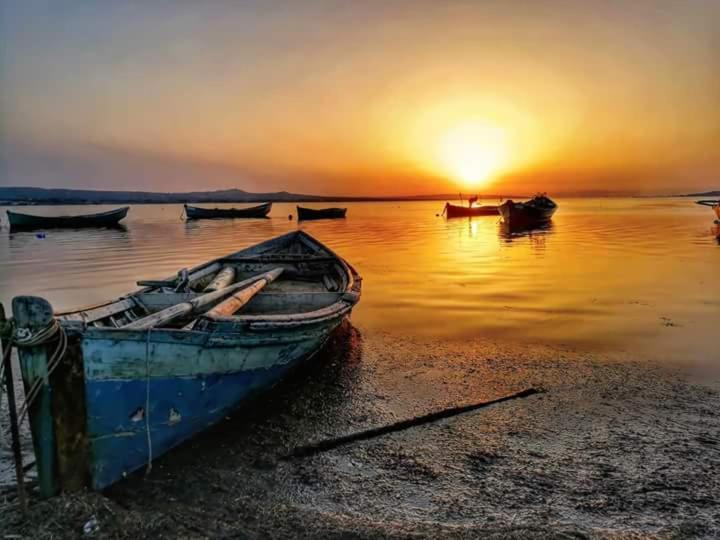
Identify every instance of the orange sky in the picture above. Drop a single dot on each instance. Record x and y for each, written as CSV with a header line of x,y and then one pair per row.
x,y
363,98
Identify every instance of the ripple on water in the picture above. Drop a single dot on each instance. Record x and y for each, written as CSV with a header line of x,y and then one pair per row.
x,y
604,269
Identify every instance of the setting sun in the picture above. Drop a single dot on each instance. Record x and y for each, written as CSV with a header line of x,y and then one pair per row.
x,y
472,153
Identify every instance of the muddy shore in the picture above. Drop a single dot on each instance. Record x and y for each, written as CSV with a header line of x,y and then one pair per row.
x,y
616,447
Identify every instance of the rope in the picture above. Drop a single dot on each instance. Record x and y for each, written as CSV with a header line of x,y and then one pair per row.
x,y
148,468
25,338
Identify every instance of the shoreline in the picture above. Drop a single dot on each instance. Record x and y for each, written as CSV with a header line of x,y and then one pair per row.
x,y
616,446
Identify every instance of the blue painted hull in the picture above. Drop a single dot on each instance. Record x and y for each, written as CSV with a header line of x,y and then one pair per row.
x,y
179,408
188,385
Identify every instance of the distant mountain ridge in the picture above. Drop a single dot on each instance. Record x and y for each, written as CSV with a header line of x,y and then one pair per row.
x,y
35,195
87,196
703,194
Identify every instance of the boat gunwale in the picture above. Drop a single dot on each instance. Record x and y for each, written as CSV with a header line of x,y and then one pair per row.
x,y
346,298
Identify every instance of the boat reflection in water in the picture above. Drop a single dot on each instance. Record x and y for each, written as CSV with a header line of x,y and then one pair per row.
x,y
510,231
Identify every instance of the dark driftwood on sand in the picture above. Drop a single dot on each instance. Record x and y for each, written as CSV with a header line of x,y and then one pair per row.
x,y
329,444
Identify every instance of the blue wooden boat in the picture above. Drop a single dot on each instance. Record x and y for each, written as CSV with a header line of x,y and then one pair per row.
x,y
141,374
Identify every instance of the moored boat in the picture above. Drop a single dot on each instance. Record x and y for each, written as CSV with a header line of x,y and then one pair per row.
x,y
714,204
539,209
453,211
195,212
149,370
321,213
19,221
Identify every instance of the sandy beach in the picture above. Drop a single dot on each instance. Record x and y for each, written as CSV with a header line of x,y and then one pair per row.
x,y
614,448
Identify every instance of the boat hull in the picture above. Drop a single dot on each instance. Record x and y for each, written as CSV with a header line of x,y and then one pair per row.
x,y
306,214
186,383
19,221
522,214
132,384
453,211
195,212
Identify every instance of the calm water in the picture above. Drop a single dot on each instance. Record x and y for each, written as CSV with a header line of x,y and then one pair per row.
x,y
636,275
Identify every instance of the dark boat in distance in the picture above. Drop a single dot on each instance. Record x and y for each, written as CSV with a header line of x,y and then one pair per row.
x,y
539,209
322,213
715,205
19,221
454,211
195,212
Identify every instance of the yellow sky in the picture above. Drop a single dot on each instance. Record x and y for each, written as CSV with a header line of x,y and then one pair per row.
x,y
364,98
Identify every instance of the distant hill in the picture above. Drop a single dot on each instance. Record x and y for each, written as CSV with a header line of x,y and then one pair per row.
x,y
34,195
703,194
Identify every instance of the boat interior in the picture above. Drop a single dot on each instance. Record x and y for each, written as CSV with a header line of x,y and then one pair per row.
x,y
312,278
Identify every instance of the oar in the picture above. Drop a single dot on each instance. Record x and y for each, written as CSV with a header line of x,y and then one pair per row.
x,y
179,310
231,305
223,279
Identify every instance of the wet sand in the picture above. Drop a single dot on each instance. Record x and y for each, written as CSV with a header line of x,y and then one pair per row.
x,y
616,447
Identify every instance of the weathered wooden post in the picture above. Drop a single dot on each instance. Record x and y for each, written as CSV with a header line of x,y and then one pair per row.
x,y
5,354
33,315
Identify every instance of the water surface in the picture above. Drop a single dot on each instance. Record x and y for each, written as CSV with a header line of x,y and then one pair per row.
x,y
597,309
637,275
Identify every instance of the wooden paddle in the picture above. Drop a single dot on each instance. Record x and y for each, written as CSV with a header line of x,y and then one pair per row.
x,y
196,304
231,305
223,279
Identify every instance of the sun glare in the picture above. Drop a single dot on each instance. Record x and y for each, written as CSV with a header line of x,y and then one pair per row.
x,y
472,153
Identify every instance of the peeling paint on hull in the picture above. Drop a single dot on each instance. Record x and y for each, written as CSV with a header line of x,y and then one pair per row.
x,y
180,404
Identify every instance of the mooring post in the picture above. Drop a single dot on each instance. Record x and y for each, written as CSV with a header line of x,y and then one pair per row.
x,y
33,315
5,354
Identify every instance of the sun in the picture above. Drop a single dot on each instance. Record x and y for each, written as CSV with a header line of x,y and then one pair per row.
x,y
472,153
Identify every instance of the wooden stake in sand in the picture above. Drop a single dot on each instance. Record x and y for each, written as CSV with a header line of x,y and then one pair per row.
x,y
329,444
5,350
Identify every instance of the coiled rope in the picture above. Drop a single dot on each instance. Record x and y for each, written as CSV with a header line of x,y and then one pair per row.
x,y
25,338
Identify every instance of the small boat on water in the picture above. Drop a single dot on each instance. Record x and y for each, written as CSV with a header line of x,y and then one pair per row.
x,y
454,211
140,374
195,212
322,213
19,221
539,209
715,205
